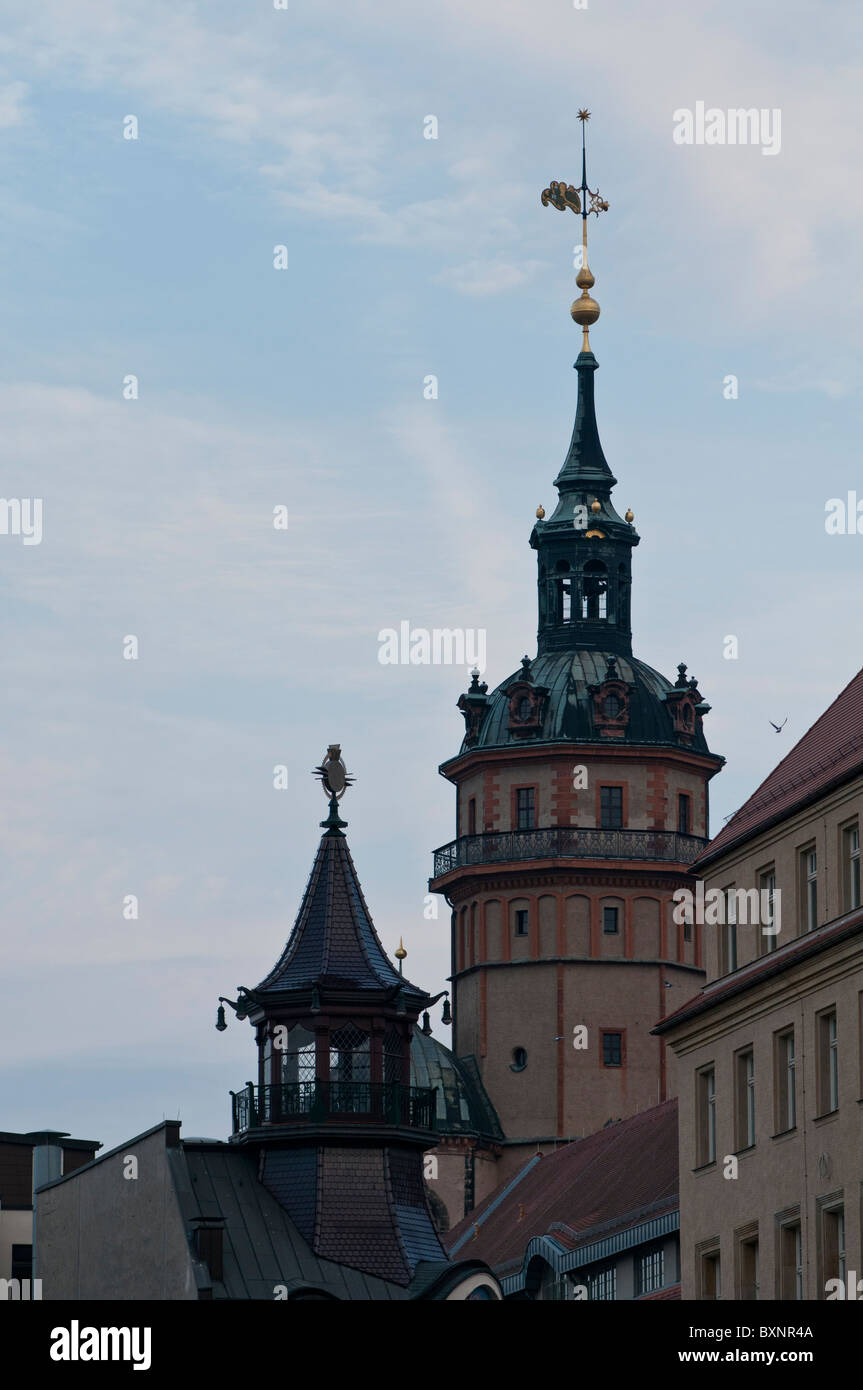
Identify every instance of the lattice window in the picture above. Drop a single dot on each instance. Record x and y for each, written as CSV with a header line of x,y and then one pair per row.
x,y
298,1058
350,1054
393,1054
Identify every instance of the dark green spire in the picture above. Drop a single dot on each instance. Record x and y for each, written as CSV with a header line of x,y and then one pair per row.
x,y
585,465
584,549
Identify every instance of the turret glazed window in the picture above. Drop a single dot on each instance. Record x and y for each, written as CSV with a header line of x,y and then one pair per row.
x,y
298,1058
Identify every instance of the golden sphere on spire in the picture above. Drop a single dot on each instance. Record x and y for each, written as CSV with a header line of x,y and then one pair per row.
x,y
400,951
540,512
595,506
585,310
585,278
629,515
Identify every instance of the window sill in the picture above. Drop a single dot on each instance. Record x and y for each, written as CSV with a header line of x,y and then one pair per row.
x,y
826,1117
704,1168
741,1153
784,1133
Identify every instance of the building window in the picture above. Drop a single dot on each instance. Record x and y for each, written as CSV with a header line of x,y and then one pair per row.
x,y
748,1267
22,1262
706,1116
786,1088
650,1271
684,817
728,935
767,913
519,1059
711,1283
809,888
602,1283
471,816
609,921
745,1099
525,808
790,1261
851,866
828,1063
522,921
611,808
612,706
833,1264
612,1049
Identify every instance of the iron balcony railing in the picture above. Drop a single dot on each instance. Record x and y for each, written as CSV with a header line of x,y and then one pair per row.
x,y
379,1102
567,842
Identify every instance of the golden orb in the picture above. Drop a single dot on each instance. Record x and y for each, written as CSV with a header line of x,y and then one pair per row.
x,y
585,278
595,506
585,310
540,513
629,515
400,951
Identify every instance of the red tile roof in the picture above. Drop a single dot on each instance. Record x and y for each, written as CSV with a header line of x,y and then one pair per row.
x,y
605,1181
780,960
828,753
673,1291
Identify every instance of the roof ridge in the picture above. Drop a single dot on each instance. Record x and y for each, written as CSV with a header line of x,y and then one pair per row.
x,y
751,802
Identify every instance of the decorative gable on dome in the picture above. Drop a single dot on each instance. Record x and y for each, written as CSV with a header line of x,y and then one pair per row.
x,y
686,706
611,703
527,702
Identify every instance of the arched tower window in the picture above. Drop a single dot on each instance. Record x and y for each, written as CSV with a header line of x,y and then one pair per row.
x,y
564,592
623,585
594,591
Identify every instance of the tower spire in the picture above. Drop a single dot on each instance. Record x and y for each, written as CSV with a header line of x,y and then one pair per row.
x,y
584,546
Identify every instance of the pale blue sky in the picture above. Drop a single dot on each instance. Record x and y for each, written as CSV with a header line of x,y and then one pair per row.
x,y
305,387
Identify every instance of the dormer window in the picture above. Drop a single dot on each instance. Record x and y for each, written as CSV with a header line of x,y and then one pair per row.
x,y
612,706
525,707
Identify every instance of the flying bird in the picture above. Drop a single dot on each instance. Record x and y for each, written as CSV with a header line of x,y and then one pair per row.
x,y
779,727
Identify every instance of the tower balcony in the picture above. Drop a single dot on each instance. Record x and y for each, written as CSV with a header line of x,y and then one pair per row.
x,y
567,842
314,1103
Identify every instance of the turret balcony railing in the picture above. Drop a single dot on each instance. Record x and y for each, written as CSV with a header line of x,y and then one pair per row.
x,y
320,1102
567,842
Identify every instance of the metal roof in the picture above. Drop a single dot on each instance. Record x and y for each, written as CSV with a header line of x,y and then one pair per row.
x,y
569,710
463,1107
334,941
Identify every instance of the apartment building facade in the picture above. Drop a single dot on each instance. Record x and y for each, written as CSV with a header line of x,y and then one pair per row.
x,y
770,1052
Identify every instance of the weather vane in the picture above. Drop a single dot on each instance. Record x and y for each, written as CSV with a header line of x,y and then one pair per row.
x,y
335,781
585,310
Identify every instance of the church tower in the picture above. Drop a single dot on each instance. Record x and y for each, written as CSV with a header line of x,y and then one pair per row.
x,y
582,798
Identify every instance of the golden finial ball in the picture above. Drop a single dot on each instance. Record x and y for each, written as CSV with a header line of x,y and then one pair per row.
x,y
400,951
585,278
585,310
540,513
629,515
595,506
